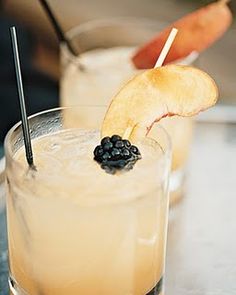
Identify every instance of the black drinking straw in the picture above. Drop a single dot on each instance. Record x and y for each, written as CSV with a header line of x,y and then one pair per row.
x,y
25,123
60,35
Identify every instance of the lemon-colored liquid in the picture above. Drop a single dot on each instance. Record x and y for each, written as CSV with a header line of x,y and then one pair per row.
x,y
74,229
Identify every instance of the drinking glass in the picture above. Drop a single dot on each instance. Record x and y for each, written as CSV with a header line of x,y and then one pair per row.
x,y
106,48
3,234
73,228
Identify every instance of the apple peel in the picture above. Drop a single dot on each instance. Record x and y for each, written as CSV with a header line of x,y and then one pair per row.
x,y
157,93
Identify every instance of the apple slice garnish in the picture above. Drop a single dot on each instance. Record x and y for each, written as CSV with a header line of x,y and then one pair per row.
x,y
157,93
197,31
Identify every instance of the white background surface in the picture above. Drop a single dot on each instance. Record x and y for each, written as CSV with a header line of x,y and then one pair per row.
x,y
201,256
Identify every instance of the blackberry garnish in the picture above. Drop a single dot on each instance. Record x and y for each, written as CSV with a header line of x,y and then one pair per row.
x,y
105,140
98,152
126,153
119,144
106,156
108,146
115,153
126,142
115,138
134,150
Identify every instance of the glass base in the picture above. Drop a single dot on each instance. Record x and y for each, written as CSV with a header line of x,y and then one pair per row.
x,y
177,180
157,290
16,290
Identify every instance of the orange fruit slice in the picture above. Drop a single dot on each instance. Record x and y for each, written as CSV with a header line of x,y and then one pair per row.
x,y
157,93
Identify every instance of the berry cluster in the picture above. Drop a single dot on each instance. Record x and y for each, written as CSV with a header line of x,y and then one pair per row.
x,y
115,153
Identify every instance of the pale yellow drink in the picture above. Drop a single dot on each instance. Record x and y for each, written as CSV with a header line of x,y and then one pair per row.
x,y
75,229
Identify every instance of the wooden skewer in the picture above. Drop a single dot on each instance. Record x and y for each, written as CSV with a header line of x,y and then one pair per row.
x,y
166,48
159,63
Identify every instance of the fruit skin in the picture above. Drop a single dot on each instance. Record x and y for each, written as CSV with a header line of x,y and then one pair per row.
x,y
107,146
105,140
115,138
119,144
197,31
119,156
157,93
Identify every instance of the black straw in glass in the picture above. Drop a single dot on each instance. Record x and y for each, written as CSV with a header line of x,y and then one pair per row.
x,y
60,35
25,123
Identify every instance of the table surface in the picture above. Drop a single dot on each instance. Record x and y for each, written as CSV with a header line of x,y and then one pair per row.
x,y
201,252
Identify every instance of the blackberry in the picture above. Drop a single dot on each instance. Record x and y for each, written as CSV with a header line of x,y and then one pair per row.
x,y
115,138
119,144
126,153
134,150
126,142
115,153
106,156
107,146
105,140
98,152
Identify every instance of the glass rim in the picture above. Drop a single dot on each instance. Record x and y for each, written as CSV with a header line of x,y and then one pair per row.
x,y
2,170
103,22
117,20
7,141
87,25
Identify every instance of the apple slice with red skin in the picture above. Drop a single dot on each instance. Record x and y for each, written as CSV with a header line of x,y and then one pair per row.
x,y
157,93
197,31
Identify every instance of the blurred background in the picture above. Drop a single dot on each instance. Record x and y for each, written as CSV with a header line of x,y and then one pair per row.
x,y
215,143
39,47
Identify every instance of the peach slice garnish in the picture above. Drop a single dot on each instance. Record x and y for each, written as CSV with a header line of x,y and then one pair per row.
x,y
197,31
157,93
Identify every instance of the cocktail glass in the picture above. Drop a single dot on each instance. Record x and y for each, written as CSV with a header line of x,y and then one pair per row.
x,y
106,47
72,227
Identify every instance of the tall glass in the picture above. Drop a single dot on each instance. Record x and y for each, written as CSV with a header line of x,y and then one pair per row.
x,y
106,47
72,227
